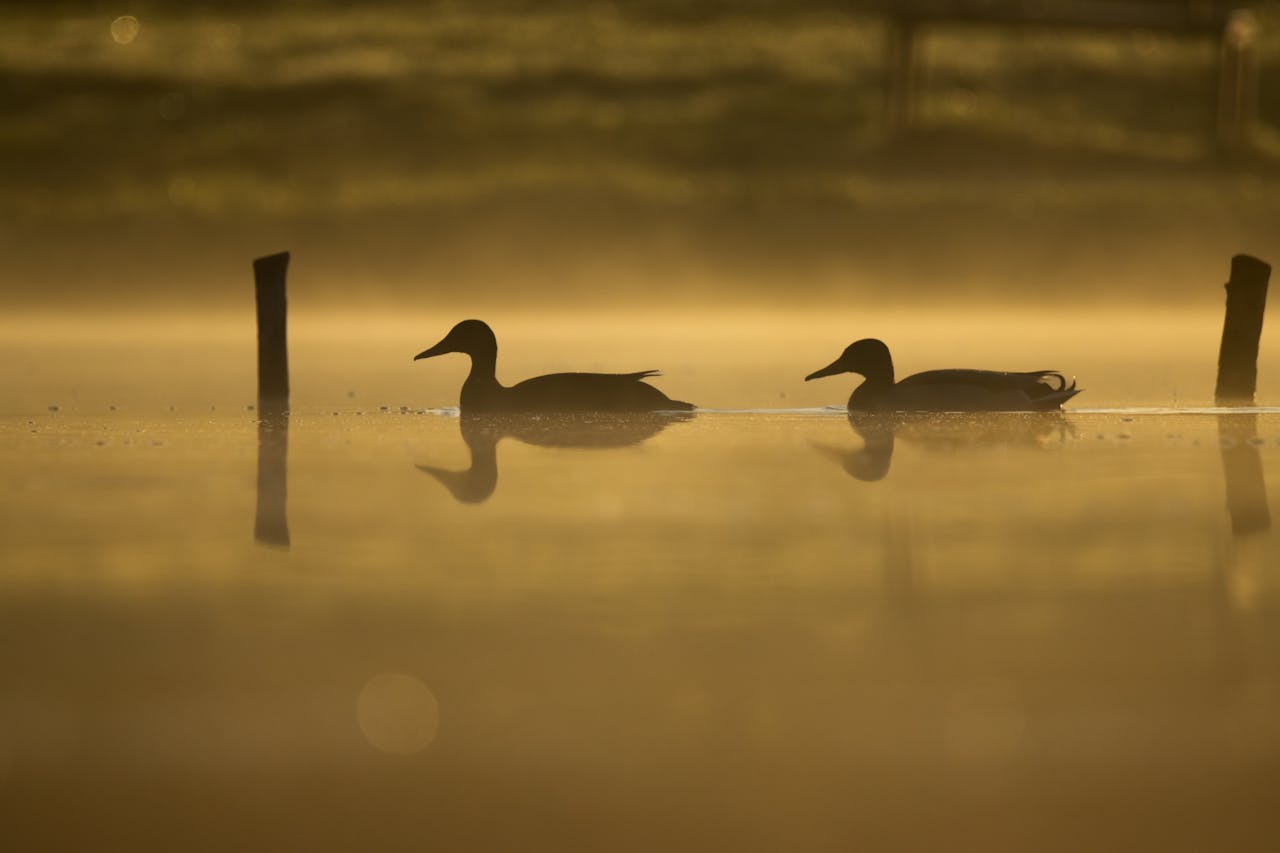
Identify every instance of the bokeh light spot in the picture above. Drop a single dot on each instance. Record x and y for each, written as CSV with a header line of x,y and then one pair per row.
x,y
397,713
124,29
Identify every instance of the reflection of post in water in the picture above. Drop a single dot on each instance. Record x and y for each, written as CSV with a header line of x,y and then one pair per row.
x,y
271,524
1242,467
577,431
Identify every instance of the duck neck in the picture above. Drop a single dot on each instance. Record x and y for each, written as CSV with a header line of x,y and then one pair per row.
x,y
481,386
876,386
879,372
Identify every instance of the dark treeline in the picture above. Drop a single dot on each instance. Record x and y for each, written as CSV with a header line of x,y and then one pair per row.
x,y
516,144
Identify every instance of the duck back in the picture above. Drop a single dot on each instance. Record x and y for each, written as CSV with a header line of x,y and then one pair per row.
x,y
960,390
591,392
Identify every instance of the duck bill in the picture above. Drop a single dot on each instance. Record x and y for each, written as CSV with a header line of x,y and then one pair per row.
x,y
439,349
830,370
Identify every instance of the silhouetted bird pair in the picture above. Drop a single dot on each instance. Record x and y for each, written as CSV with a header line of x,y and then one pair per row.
x,y
931,391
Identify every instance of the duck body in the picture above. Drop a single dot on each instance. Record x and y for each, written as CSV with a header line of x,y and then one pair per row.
x,y
954,390
554,393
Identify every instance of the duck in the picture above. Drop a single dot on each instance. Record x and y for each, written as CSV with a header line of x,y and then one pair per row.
x,y
482,393
954,390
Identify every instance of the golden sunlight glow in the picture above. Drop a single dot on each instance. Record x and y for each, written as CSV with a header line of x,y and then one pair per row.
x,y
260,503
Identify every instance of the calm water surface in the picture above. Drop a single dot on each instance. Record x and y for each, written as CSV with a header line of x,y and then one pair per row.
x,y
368,627
760,631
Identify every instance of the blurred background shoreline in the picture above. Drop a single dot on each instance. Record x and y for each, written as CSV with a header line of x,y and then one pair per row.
x,y
524,156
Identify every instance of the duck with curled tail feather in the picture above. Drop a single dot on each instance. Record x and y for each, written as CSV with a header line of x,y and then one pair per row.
x,y
954,390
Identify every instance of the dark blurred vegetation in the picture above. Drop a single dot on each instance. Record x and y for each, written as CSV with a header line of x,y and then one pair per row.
x,y
478,151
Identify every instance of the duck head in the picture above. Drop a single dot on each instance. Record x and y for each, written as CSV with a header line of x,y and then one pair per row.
x,y
473,337
868,357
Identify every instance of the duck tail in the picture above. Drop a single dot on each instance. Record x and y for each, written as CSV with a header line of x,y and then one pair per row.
x,y
667,404
1056,390
1054,399
1051,379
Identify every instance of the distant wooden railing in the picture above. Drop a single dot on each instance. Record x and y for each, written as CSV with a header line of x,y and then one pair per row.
x,y
1232,26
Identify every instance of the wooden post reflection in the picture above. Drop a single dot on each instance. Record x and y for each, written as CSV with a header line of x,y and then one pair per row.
x,y
271,524
1242,466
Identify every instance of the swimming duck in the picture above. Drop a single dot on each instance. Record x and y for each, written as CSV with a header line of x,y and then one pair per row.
x,y
944,390
555,392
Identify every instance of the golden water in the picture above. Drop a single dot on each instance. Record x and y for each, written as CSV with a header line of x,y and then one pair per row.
x,y
749,630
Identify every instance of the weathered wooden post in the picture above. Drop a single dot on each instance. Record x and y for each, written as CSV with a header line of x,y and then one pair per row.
x,y
273,351
1241,330
271,524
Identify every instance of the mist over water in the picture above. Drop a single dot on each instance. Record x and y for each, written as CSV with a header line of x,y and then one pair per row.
x,y
722,359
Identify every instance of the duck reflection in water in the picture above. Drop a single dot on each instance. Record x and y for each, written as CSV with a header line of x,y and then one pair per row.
x,y
879,431
583,431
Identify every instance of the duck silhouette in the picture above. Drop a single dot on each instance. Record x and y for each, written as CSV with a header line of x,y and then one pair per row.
x,y
955,390
553,393
580,432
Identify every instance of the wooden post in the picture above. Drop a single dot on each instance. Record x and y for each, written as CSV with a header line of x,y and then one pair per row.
x,y
271,525
1241,330
273,351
